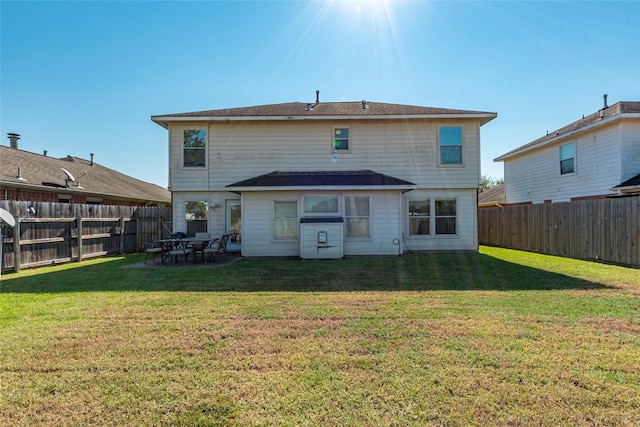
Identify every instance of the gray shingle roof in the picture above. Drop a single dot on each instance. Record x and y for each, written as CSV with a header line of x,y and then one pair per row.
x,y
37,169
362,178
633,182
617,109
323,110
493,195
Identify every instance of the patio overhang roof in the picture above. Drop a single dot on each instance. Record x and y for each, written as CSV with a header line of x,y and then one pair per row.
x,y
322,180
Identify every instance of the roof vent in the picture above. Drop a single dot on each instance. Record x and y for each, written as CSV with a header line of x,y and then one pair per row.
x,y
317,97
91,164
605,101
13,140
364,105
308,107
19,176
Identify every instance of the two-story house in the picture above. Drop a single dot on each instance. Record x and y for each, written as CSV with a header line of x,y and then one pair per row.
x,y
327,179
594,157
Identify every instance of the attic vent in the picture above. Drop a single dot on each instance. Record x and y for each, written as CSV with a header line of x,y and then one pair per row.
x,y
308,107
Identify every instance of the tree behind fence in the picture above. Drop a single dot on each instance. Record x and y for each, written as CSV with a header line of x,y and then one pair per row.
x,y
63,232
604,229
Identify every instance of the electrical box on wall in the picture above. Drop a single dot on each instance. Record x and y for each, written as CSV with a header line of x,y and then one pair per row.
x,y
321,237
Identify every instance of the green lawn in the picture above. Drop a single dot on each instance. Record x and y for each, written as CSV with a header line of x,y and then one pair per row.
x,y
496,338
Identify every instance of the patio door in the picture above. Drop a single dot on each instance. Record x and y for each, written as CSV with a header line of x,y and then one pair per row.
x,y
234,225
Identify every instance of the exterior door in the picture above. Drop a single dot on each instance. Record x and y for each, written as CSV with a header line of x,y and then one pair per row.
x,y
234,225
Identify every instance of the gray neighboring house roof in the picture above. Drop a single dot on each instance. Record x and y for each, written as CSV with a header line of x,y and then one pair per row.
x,y
323,111
629,186
603,116
493,196
41,173
361,179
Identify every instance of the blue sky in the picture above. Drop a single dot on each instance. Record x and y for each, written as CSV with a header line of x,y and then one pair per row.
x,y
85,77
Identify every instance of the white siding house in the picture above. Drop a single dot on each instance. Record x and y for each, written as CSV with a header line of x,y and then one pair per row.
x,y
594,157
388,178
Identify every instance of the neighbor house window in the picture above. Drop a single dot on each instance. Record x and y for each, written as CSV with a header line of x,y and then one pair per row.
x,y
356,212
450,145
197,215
419,217
341,140
567,158
285,220
445,216
321,205
195,148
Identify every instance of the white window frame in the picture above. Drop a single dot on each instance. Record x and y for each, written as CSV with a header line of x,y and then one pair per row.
x,y
436,216
184,149
356,216
333,140
275,218
453,165
560,159
432,217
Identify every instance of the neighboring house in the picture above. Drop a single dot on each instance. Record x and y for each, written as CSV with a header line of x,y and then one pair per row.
x,y
323,180
39,178
492,197
595,157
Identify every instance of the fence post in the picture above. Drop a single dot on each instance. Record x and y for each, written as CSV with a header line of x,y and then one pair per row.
x,y
121,235
79,236
138,242
16,245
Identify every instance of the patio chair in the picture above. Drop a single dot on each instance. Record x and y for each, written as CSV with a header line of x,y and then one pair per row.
x,y
199,242
180,248
152,248
217,246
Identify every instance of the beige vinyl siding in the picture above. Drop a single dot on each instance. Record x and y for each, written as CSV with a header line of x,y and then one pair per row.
x,y
406,150
535,176
630,141
466,222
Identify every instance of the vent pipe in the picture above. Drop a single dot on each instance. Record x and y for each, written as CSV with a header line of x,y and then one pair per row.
x,y
605,101
91,164
364,105
317,97
13,140
45,153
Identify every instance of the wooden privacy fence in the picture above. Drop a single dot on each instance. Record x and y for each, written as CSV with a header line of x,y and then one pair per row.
x,y
63,232
604,229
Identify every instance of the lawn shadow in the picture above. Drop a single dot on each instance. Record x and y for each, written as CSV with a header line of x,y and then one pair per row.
x,y
426,272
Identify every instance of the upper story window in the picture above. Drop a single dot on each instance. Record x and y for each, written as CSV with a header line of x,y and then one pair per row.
x,y
450,145
341,141
357,218
321,205
567,158
195,148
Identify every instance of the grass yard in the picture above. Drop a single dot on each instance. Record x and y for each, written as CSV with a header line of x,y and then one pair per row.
x,y
496,338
